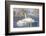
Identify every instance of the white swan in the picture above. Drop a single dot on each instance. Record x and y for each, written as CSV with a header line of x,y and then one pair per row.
x,y
23,21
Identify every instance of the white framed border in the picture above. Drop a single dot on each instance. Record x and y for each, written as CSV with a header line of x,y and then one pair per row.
x,y
25,29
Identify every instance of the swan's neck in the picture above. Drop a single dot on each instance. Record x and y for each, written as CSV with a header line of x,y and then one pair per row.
x,y
25,15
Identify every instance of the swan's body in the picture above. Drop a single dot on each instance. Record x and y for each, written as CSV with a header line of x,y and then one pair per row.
x,y
23,21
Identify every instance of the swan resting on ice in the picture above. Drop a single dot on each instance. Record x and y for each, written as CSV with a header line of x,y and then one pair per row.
x,y
23,21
